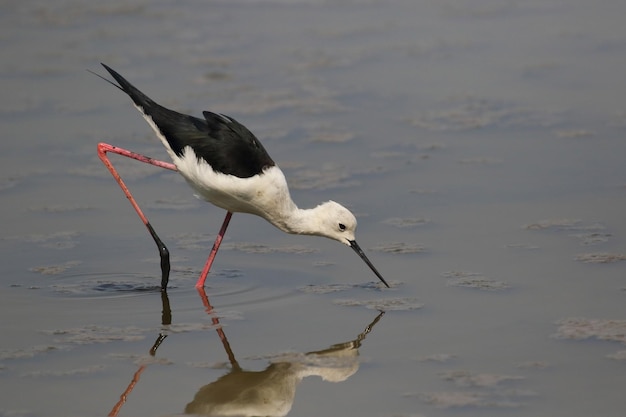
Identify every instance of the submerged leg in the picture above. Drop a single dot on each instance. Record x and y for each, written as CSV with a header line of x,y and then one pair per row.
x,y
103,148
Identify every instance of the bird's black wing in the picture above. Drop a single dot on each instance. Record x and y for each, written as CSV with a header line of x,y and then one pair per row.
x,y
224,143
232,148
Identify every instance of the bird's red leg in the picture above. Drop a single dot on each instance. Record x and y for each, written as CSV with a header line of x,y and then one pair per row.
x,y
103,148
216,246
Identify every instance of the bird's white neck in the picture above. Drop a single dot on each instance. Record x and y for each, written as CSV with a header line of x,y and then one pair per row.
x,y
295,220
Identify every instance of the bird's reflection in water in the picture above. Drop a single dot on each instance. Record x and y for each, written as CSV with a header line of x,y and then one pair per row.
x,y
269,392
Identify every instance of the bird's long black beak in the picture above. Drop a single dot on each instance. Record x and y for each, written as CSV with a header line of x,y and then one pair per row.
x,y
360,252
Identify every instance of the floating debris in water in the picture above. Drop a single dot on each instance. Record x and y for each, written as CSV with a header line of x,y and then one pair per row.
x,y
210,365
310,99
423,191
479,284
57,240
522,246
470,379
151,360
389,304
61,208
248,247
55,269
574,133
192,241
325,288
533,365
565,224
601,329
230,273
70,372
592,238
588,234
473,280
331,288
94,334
407,222
463,399
455,399
324,179
437,357
469,112
600,258
554,224
480,161
10,182
485,391
332,137
28,352
401,248
618,356
178,204
200,326
322,264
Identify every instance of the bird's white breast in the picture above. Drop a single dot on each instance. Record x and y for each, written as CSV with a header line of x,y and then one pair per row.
x,y
260,194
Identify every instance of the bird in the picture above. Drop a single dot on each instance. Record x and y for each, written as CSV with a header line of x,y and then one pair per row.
x,y
226,165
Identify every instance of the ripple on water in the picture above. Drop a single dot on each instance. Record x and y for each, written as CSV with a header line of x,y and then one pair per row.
x,y
225,288
105,284
120,284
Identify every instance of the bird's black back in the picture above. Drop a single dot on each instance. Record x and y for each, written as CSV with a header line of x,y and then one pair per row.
x,y
224,143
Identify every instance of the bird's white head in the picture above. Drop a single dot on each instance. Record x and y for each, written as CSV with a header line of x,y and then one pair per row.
x,y
336,222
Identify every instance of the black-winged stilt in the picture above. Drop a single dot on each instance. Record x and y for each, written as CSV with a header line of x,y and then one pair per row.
x,y
225,164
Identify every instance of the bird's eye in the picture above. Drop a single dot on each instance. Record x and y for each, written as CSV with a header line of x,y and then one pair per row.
x,y
342,227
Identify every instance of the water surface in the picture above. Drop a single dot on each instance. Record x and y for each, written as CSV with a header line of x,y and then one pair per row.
x,y
480,144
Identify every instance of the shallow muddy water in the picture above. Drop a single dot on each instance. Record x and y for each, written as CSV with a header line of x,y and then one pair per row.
x,y
481,145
